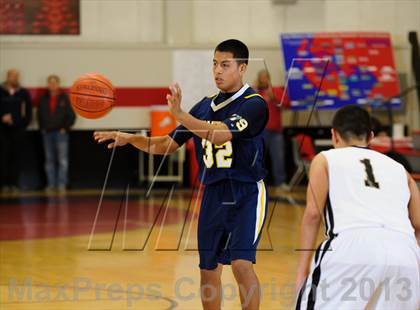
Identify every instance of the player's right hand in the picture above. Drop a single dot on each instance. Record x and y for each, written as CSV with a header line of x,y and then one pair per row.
x,y
118,138
174,99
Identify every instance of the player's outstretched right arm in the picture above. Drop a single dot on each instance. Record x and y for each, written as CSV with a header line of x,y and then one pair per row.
x,y
414,206
153,145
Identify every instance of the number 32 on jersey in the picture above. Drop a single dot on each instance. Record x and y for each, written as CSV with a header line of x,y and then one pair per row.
x,y
219,154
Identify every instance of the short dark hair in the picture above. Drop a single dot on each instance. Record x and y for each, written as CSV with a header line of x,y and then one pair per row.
x,y
352,121
237,48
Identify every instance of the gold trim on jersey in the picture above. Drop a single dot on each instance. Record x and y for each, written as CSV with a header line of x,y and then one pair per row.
x,y
253,95
261,209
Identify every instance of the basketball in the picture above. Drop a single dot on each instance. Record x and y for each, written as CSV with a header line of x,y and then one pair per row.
x,y
92,96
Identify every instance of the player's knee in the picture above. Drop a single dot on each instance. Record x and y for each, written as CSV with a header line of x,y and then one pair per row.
x,y
242,267
209,276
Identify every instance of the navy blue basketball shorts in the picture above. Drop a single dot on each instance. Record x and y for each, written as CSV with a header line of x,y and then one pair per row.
x,y
231,219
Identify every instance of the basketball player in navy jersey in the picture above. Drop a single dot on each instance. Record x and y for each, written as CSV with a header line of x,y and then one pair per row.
x,y
227,131
371,208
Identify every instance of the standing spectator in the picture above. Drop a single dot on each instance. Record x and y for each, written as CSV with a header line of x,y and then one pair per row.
x,y
273,134
15,116
55,117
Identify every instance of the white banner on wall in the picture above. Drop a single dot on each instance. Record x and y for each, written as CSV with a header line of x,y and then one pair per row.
x,y
192,69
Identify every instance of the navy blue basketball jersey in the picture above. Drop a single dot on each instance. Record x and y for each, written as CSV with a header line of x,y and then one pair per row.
x,y
245,113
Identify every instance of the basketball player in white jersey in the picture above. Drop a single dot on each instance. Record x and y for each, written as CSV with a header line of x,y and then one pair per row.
x,y
371,211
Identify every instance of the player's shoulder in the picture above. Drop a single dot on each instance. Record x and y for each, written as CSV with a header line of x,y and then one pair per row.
x,y
211,96
252,99
197,108
320,159
251,95
204,102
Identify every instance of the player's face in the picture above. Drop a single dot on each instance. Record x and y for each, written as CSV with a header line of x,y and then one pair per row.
x,y
227,72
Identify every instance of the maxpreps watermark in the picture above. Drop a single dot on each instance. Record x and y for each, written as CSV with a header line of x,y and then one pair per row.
x,y
80,289
184,289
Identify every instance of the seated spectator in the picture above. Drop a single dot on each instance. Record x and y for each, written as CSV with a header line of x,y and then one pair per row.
x,y
15,116
55,117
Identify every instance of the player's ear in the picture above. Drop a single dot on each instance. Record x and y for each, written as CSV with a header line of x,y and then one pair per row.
x,y
334,137
370,137
242,68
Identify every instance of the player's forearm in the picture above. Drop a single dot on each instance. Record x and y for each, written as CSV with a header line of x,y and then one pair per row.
x,y
152,145
216,133
309,234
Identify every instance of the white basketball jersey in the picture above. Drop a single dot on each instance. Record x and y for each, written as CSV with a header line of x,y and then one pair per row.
x,y
366,189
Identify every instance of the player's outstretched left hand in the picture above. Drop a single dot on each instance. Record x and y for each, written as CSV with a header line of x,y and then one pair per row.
x,y
118,138
174,99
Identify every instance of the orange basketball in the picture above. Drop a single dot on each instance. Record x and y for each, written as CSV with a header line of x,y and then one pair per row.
x,y
92,95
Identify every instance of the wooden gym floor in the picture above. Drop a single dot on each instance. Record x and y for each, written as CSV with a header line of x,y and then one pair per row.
x,y
139,253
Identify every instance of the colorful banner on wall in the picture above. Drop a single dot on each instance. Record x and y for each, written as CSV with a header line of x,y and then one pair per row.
x,y
48,17
346,68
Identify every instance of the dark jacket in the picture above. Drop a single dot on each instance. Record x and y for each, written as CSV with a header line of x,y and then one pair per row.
x,y
63,116
19,105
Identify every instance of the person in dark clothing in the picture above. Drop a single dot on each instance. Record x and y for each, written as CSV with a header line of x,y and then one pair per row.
x,y
15,116
55,117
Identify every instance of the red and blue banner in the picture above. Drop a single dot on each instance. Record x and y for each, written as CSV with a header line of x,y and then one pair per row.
x,y
336,69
